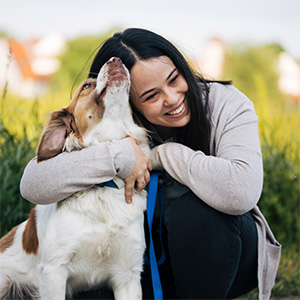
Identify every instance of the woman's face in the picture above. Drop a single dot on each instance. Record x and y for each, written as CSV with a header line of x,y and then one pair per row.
x,y
158,91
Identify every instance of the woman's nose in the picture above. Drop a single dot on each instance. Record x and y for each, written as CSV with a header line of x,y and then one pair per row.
x,y
170,97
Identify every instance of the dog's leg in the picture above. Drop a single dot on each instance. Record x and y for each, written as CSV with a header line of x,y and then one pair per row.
x,y
53,282
126,278
132,290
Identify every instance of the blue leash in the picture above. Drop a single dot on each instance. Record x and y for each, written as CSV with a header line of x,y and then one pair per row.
x,y
152,193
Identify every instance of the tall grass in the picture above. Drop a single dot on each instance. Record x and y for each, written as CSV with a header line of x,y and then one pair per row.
x,y
14,155
27,116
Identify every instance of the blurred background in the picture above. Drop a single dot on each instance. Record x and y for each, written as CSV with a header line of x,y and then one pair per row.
x,y
46,48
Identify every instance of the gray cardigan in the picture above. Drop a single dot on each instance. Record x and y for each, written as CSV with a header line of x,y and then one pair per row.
x,y
229,179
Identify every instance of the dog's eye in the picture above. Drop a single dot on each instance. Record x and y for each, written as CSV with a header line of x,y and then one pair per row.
x,y
86,86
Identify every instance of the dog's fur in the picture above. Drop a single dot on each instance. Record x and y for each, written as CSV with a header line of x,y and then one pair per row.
x,y
94,236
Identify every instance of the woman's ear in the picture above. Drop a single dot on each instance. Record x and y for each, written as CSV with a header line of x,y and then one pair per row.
x,y
54,135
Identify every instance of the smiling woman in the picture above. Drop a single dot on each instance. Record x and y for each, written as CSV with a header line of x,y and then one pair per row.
x,y
159,93
205,143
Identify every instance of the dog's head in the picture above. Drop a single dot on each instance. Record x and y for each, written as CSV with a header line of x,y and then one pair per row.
x,y
98,112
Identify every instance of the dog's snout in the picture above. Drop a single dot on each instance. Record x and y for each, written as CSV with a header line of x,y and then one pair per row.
x,y
115,60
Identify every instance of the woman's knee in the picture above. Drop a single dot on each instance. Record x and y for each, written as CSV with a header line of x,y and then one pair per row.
x,y
189,215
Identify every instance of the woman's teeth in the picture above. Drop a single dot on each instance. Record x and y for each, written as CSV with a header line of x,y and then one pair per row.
x,y
177,111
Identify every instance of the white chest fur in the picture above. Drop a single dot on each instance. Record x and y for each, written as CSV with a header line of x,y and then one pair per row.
x,y
94,235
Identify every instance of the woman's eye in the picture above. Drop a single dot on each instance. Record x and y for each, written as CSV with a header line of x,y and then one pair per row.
x,y
174,79
150,97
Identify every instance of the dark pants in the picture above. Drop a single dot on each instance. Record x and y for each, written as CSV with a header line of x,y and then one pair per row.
x,y
210,255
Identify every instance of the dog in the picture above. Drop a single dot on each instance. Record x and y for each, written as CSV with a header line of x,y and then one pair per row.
x,y
94,236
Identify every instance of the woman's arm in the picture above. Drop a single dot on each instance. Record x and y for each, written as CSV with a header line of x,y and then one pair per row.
x,y
59,177
231,179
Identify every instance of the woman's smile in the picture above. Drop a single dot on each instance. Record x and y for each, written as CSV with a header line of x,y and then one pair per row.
x,y
179,111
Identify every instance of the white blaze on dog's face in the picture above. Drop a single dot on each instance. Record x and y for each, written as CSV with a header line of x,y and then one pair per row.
x,y
102,103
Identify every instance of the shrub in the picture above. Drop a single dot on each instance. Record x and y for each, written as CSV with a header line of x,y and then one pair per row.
x,y
14,155
280,201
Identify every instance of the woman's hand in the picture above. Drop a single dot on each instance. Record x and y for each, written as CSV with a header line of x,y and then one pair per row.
x,y
140,175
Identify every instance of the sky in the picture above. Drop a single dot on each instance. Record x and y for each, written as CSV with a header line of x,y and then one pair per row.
x,y
189,24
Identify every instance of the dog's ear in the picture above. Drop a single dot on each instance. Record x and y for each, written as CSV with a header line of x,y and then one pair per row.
x,y
54,135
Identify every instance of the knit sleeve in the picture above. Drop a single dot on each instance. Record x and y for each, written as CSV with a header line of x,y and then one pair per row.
x,y
57,178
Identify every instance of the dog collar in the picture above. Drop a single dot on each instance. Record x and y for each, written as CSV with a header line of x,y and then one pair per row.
x,y
109,183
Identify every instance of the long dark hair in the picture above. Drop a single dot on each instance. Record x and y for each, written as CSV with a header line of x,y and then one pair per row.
x,y
139,44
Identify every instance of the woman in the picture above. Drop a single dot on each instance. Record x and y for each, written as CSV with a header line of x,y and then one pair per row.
x,y
204,137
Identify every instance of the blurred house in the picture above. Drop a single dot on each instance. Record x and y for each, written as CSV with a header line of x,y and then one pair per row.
x,y
27,66
210,62
289,75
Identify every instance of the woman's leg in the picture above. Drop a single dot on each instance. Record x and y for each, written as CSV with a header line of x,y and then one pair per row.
x,y
246,278
206,249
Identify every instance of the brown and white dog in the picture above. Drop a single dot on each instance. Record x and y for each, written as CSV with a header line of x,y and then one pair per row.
x,y
94,236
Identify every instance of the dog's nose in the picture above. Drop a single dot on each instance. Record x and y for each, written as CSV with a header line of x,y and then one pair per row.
x,y
115,60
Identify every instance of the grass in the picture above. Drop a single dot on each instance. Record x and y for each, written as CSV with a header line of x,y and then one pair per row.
x,y
14,155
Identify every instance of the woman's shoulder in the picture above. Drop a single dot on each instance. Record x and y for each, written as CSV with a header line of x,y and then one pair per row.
x,y
219,92
225,98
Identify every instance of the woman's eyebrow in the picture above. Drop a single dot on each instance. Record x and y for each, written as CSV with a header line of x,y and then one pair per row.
x,y
171,74
149,91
